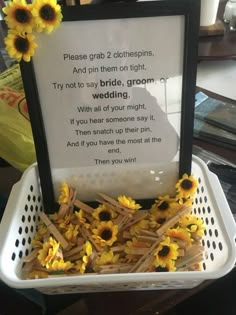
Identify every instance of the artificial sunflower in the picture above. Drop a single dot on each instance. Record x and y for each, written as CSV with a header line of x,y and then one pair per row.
x,y
135,228
18,16
128,202
157,218
186,186
166,251
166,205
20,46
58,266
82,265
71,233
64,194
181,234
103,213
160,266
47,15
48,252
193,224
107,257
106,233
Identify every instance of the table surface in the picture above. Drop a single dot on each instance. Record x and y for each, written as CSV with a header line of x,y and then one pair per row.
x,y
220,46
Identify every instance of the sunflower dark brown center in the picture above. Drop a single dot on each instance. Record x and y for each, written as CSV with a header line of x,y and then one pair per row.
x,y
21,44
161,269
106,234
163,206
47,13
22,16
186,184
164,251
161,220
105,216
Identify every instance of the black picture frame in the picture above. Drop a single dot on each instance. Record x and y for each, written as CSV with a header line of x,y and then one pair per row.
x,y
191,11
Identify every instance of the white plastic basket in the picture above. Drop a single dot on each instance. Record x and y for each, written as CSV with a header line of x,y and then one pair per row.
x,y
21,216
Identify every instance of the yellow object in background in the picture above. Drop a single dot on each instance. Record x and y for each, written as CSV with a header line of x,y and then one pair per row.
x,y
16,139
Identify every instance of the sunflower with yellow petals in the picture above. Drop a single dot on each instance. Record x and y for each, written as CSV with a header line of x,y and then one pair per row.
x,y
186,186
160,266
157,218
166,251
20,46
128,202
47,15
82,265
106,258
141,225
106,233
193,224
18,16
71,233
181,234
64,194
59,266
103,213
48,252
166,205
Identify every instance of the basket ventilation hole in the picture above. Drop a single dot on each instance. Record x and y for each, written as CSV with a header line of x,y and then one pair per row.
x,y
199,180
212,256
20,254
23,241
31,208
13,256
203,210
34,218
216,233
39,198
29,218
34,198
31,188
212,221
204,266
196,201
214,245
208,244
210,232
36,208
200,199
17,243
220,246
28,197
207,221
26,252
209,209
26,229
23,218
205,199
20,230
29,240
202,189
32,229
26,208
203,243
198,190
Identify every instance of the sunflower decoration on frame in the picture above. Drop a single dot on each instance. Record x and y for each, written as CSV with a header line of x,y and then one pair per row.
x,y
23,19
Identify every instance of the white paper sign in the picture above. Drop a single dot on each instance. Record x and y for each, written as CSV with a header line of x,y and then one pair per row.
x,y
110,93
